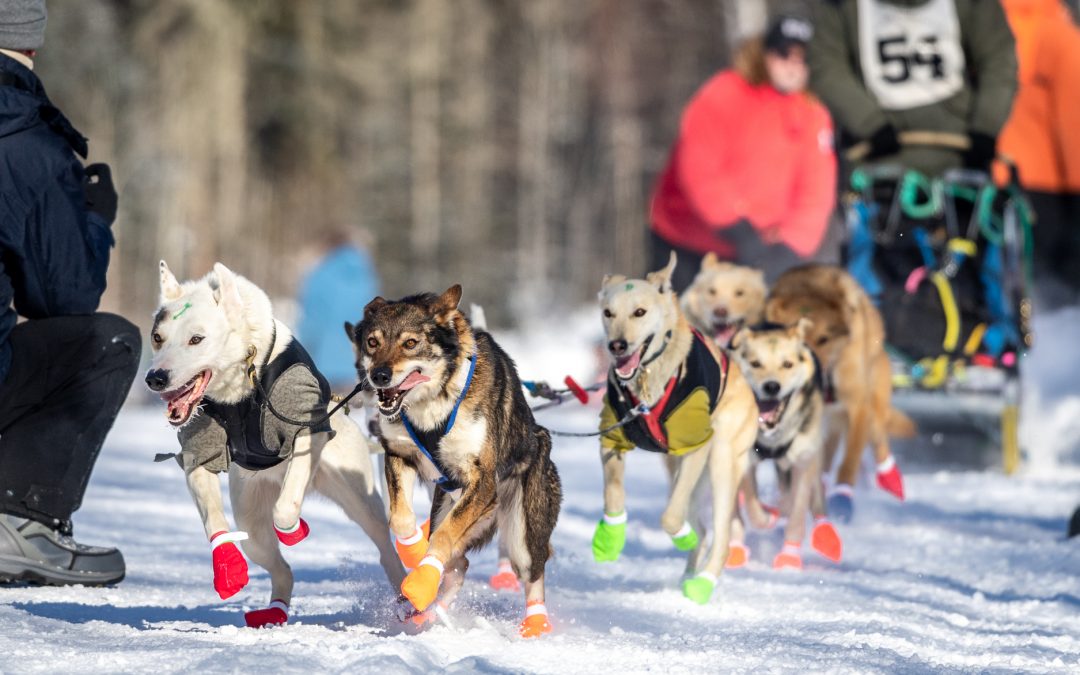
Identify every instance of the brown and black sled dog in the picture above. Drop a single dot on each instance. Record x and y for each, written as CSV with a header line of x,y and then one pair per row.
x,y
452,411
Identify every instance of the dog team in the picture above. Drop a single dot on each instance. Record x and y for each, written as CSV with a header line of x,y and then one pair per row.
x,y
730,374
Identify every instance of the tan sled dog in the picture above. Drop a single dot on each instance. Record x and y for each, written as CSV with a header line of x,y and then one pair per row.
x,y
723,298
223,364
848,337
702,417
788,386
452,410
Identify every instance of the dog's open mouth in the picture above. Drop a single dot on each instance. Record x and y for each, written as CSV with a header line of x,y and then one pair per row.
x,y
771,411
183,402
627,366
390,398
724,330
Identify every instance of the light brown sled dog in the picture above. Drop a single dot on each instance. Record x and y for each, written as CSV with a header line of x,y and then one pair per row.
x,y
723,298
848,337
702,416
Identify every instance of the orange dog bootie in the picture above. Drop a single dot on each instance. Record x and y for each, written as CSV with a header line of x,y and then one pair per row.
x,y
536,620
422,584
826,541
412,549
738,555
505,579
789,557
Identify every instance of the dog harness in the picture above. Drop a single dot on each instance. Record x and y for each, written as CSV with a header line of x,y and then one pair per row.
x,y
244,421
680,422
425,439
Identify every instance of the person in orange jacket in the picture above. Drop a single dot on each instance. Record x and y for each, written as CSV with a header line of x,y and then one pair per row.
x,y
752,176
1042,136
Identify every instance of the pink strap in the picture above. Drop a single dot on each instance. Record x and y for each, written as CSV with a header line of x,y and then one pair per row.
x,y
914,279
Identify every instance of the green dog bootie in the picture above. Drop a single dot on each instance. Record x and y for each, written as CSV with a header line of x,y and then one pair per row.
x,y
610,537
685,539
700,588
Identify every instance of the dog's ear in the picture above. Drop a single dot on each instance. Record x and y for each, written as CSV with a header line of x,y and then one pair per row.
x,y
350,331
803,327
662,278
709,261
737,338
170,287
373,306
448,301
612,279
227,293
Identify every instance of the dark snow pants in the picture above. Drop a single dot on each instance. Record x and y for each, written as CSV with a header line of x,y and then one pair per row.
x,y
69,376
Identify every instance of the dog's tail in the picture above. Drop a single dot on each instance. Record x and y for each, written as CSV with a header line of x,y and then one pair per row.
x,y
899,425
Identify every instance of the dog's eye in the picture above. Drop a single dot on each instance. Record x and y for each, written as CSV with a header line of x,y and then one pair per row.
x,y
410,343
822,340
738,292
639,312
608,314
712,291
788,364
755,364
195,339
372,343
156,337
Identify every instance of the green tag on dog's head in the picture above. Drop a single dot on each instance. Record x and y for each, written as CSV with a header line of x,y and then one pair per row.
x,y
629,287
186,307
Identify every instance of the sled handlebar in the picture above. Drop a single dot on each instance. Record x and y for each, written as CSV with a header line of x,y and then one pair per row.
x,y
932,139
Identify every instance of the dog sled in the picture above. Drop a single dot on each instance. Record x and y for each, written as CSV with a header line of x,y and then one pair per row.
x,y
947,260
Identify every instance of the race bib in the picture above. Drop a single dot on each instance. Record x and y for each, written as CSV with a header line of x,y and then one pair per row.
x,y
911,56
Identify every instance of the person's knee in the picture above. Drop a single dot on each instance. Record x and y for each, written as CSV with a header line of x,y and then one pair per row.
x,y
118,336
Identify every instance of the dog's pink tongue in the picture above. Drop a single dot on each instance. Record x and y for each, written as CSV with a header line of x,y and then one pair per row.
x,y
628,364
412,380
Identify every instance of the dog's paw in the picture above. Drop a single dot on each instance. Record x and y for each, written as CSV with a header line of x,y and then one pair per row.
x,y
277,614
699,588
230,568
841,505
889,478
789,557
826,541
738,555
412,549
297,534
422,584
685,539
610,538
536,620
505,579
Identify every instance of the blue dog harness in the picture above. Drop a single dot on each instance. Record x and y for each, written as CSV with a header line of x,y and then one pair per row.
x,y
431,439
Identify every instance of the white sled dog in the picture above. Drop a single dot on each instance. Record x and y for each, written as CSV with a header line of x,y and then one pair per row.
x,y
702,416
246,398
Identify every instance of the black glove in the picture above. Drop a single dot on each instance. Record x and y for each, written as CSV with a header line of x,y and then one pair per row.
x,y
982,151
99,191
883,142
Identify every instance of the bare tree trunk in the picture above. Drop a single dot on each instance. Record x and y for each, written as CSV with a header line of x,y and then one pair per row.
x,y
426,53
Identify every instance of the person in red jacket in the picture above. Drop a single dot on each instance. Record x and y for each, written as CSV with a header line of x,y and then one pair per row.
x,y
752,176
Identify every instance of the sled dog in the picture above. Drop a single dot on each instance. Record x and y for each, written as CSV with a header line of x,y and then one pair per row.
x,y
848,337
723,298
218,353
787,384
702,416
452,411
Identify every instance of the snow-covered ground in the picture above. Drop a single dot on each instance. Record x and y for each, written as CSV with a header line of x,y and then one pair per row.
x,y
972,573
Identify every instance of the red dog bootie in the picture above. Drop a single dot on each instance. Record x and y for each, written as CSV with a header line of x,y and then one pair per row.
x,y
412,549
295,535
505,579
536,620
277,614
889,478
826,541
789,557
230,568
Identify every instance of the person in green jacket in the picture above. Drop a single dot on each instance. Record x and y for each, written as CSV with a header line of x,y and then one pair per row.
x,y
885,67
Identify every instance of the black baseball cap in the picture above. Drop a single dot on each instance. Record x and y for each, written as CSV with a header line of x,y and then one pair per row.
x,y
786,32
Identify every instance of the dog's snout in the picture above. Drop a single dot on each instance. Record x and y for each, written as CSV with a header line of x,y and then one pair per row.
x,y
720,312
617,347
381,376
771,388
157,379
